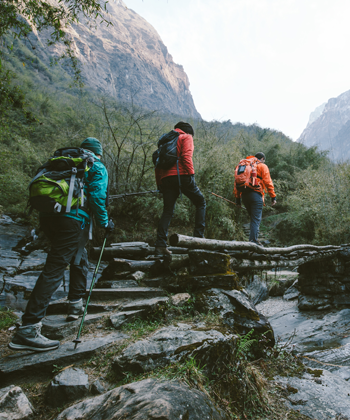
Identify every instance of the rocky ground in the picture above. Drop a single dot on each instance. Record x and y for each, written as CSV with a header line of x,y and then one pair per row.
x,y
148,352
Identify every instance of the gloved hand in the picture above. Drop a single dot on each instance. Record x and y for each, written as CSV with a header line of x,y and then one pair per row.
x,y
273,201
109,227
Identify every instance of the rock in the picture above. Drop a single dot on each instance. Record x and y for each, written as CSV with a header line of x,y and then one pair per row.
x,y
34,261
292,292
60,307
186,283
70,385
97,388
311,303
257,290
120,318
144,400
9,261
180,299
236,311
320,395
138,275
307,331
208,262
280,281
146,304
11,233
14,405
110,284
174,344
335,360
56,327
65,354
127,292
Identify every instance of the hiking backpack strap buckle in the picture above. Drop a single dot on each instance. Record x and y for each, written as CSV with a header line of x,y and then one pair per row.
x,y
71,189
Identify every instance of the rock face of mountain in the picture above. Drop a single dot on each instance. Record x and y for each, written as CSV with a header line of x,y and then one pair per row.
x,y
128,61
331,130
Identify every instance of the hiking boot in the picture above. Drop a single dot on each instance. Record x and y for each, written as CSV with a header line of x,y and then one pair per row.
x,y
75,310
162,251
28,337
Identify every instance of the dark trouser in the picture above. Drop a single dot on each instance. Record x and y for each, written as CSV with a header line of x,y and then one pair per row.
x,y
253,202
65,235
170,190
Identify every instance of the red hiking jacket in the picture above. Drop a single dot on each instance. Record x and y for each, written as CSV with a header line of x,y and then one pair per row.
x,y
185,149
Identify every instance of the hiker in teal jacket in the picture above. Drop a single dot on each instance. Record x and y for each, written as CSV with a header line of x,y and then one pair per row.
x,y
68,234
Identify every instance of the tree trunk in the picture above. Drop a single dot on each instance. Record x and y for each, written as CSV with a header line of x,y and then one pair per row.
x,y
216,245
136,252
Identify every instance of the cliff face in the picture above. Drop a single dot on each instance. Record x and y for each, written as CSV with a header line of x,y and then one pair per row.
x,y
331,130
129,61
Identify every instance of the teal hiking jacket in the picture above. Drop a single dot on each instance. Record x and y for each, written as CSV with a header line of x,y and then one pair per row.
x,y
95,189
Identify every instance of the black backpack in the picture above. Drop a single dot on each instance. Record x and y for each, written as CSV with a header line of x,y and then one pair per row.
x,y
165,157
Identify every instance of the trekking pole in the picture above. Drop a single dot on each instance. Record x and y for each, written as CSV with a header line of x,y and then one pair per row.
x,y
223,198
77,341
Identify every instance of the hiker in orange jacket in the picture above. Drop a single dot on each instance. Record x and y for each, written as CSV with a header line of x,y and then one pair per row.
x,y
253,197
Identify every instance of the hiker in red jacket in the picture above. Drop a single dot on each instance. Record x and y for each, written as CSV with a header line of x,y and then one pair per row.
x,y
253,196
168,185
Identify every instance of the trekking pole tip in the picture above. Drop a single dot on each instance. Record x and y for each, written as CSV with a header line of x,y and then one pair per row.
x,y
76,341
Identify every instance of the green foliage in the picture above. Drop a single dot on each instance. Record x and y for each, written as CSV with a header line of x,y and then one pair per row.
x,y
7,318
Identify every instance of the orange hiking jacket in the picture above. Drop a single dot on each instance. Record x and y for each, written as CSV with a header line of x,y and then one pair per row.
x,y
264,179
185,149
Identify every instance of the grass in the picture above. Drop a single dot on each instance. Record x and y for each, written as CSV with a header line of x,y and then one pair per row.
x,y
7,318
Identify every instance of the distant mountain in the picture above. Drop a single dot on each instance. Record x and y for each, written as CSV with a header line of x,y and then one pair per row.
x,y
329,128
126,60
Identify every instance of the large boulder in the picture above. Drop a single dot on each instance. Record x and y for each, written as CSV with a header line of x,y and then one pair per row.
x,y
14,404
70,385
236,311
257,290
145,400
174,344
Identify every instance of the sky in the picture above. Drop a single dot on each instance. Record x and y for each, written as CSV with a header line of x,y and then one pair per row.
x,y
269,62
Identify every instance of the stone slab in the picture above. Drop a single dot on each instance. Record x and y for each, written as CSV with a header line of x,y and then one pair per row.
x,y
34,261
56,327
143,304
132,292
60,307
120,318
21,363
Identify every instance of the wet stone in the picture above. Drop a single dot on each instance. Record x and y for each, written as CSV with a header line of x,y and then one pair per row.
x,y
121,318
292,292
14,405
173,344
147,304
257,290
9,261
110,284
56,327
70,385
34,261
146,399
65,354
60,307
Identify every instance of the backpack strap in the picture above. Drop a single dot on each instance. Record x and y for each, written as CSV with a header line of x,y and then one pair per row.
x,y
38,175
71,189
178,176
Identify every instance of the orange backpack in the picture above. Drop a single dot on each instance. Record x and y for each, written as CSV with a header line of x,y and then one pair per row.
x,y
246,174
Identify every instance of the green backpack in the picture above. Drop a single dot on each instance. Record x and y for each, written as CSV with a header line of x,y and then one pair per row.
x,y
58,185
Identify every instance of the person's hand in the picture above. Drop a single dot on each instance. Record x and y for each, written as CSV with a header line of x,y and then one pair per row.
x,y
109,227
273,201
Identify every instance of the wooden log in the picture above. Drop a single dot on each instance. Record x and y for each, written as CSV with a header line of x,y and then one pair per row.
x,y
216,245
245,264
136,252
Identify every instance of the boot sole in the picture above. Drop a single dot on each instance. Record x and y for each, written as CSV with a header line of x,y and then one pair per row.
x,y
13,346
73,317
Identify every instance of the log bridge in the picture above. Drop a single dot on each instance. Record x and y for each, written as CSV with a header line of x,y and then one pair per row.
x,y
243,256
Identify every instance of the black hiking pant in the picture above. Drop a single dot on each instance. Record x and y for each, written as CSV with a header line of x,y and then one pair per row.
x,y
170,191
65,235
253,202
